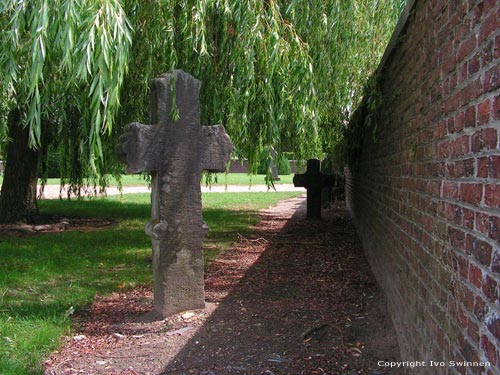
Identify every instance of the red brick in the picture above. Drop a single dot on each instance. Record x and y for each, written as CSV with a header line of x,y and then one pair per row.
x,y
470,117
483,112
452,5
488,167
489,26
442,169
473,331
495,263
450,190
496,107
494,327
480,309
462,74
482,222
429,225
489,349
438,8
471,92
489,5
440,130
496,48
464,168
492,195
484,139
441,209
468,218
452,81
475,275
488,225
456,124
467,349
461,146
451,304
481,251
473,65
494,166
431,153
477,11
466,47
466,297
487,54
492,79
448,65
450,170
462,318
482,167
444,149
452,103
460,216
457,237
463,267
471,193
490,289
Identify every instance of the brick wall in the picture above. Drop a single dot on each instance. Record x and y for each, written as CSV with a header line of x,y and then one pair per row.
x,y
425,196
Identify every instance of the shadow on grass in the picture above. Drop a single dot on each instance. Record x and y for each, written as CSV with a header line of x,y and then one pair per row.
x,y
127,207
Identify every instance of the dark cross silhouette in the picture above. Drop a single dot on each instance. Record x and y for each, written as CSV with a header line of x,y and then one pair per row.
x,y
176,152
314,181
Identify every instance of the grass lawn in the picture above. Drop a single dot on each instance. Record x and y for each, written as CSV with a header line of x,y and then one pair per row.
x,y
45,278
221,179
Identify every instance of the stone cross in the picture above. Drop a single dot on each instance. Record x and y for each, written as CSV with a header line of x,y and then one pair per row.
x,y
274,166
314,181
176,151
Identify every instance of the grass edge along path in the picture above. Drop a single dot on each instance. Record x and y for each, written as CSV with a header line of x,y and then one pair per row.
x,y
218,179
45,278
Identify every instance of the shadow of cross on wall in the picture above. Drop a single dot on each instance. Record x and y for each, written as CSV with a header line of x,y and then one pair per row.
x,y
314,181
176,153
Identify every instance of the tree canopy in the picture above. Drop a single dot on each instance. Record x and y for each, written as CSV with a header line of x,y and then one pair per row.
x,y
276,73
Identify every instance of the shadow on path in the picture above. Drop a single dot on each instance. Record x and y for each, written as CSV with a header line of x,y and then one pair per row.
x,y
297,297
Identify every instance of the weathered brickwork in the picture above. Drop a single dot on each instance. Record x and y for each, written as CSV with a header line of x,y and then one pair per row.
x,y
426,195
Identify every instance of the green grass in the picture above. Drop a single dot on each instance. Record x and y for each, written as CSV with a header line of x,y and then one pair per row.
x,y
245,179
45,277
221,179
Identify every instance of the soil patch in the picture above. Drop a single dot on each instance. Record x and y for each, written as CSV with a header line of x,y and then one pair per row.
x,y
50,224
295,297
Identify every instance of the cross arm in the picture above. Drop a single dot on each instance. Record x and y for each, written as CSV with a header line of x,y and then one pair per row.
x,y
299,180
136,148
216,148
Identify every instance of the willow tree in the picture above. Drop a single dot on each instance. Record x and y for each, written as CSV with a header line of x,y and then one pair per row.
x,y
347,39
286,74
256,71
270,72
62,65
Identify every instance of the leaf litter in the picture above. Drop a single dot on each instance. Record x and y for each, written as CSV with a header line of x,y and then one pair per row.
x,y
295,296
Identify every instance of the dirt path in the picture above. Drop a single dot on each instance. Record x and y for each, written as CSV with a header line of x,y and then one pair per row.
x,y
297,297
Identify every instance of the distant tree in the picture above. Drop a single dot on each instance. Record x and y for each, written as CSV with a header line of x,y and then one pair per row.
x,y
275,73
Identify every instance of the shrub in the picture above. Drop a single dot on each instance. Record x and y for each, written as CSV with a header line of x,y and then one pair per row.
x,y
282,163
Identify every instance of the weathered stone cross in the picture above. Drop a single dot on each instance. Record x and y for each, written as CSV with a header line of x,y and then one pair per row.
x,y
314,181
176,152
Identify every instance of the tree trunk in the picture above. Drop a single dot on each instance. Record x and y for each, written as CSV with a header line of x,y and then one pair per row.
x,y
18,194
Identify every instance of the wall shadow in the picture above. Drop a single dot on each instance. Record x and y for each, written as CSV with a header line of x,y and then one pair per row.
x,y
307,304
